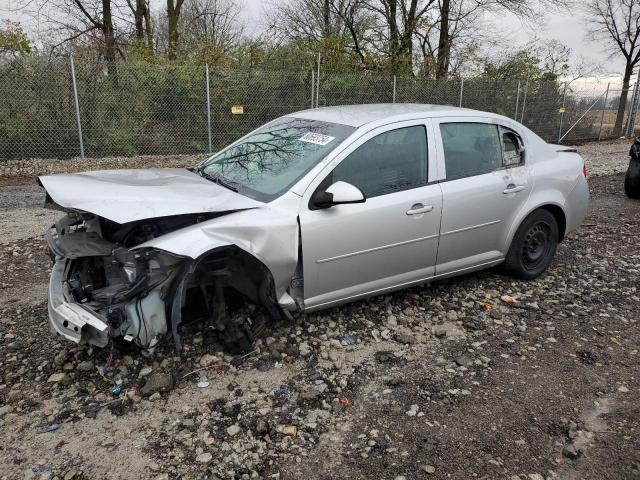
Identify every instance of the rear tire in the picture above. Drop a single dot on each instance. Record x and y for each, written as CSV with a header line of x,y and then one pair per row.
x,y
533,246
632,180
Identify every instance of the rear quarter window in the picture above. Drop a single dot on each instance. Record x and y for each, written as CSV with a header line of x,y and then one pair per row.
x,y
512,148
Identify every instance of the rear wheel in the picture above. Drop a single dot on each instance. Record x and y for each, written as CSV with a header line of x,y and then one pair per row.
x,y
533,246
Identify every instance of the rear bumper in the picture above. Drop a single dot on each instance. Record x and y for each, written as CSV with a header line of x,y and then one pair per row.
x,y
577,204
72,320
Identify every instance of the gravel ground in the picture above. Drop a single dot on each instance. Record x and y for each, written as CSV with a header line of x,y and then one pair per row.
x,y
478,377
606,158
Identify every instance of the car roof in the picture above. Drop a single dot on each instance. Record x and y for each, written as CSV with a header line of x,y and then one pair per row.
x,y
358,115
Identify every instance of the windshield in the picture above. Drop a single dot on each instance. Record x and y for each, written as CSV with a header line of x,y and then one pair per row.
x,y
268,162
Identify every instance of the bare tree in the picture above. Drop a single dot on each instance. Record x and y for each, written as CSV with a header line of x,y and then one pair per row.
x,y
464,31
452,12
393,29
174,9
401,18
617,22
142,21
93,22
317,19
342,25
304,19
71,20
369,28
210,27
444,43
355,20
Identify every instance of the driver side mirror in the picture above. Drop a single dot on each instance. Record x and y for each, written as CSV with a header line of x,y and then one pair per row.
x,y
338,193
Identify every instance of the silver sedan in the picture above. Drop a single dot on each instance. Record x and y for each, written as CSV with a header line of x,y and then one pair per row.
x,y
311,210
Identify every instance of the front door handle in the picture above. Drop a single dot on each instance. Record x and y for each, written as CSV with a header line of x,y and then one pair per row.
x,y
418,208
513,188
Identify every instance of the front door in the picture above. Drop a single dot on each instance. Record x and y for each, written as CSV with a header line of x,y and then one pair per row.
x,y
388,241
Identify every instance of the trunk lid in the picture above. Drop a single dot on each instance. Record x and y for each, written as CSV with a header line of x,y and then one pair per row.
x,y
563,148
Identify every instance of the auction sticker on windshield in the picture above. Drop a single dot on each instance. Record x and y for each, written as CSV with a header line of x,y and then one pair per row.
x,y
316,138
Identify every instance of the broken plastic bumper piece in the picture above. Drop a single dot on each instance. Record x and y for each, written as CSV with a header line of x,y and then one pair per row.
x,y
72,320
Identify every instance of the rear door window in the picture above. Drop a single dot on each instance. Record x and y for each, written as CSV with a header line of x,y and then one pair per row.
x,y
470,148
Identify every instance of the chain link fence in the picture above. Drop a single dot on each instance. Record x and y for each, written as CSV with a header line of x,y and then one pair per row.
x,y
591,113
51,110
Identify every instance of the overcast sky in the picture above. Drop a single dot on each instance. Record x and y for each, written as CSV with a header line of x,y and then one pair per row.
x,y
564,27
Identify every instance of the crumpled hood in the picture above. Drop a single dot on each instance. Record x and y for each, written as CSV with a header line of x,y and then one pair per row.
x,y
128,195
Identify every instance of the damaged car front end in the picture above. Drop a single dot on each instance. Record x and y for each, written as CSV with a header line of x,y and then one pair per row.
x,y
107,283
140,252
100,289
121,271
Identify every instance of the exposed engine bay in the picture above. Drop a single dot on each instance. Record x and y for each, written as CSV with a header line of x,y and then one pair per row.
x,y
103,288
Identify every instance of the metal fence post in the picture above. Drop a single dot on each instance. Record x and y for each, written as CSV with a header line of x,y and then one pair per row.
x,y
627,109
524,99
630,111
206,71
604,108
313,84
631,120
461,90
564,98
394,89
515,115
318,82
634,110
75,96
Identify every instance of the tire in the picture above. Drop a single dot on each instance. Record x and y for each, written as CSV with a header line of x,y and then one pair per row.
x,y
632,179
533,246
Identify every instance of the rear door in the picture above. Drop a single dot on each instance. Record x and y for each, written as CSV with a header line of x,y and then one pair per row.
x,y
388,241
485,185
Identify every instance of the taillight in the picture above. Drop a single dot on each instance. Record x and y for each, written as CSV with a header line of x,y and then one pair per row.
x,y
584,169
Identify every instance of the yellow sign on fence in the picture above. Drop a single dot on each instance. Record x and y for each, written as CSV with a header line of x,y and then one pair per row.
x,y
237,109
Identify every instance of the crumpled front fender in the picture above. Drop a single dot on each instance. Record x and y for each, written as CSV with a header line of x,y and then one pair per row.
x,y
269,234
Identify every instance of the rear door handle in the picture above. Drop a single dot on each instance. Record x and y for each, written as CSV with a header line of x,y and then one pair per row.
x,y
513,188
418,208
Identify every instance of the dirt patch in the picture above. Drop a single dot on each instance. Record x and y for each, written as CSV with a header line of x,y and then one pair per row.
x,y
6,180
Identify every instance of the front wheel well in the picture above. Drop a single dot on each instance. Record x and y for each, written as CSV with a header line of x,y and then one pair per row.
x,y
560,218
239,270
229,290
